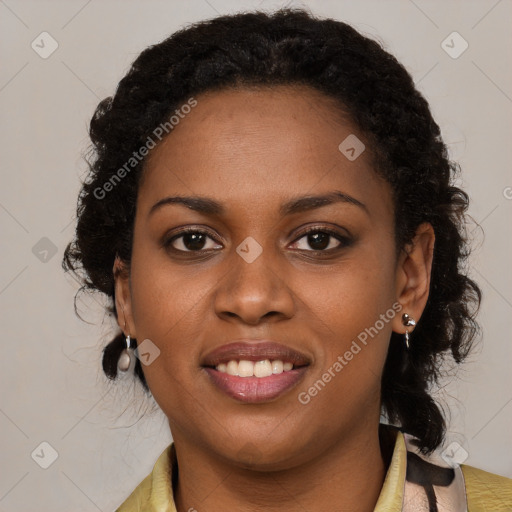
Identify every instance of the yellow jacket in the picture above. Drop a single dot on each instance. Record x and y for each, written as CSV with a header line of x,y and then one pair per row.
x,y
469,489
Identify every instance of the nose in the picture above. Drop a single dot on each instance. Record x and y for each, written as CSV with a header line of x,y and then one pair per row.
x,y
254,290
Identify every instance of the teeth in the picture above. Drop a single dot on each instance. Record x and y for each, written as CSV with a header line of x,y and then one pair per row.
x,y
263,368
232,368
277,366
245,369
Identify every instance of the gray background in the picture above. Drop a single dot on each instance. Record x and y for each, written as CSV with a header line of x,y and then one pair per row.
x,y
53,389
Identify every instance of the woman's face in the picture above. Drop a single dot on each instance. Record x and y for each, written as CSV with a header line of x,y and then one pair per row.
x,y
250,272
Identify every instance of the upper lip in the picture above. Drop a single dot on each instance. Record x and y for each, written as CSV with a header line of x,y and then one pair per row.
x,y
254,350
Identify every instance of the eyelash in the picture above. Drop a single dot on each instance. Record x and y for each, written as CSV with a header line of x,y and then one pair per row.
x,y
344,240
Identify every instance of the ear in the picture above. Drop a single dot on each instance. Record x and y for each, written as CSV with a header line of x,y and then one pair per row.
x,y
413,272
123,297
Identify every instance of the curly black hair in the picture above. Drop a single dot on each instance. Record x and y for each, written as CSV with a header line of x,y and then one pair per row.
x,y
293,47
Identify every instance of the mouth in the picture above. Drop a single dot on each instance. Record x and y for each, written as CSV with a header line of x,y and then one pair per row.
x,y
255,372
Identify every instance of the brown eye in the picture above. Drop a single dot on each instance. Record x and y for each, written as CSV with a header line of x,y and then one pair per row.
x,y
191,241
322,240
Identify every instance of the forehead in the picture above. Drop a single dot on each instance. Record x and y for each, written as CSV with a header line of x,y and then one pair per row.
x,y
261,145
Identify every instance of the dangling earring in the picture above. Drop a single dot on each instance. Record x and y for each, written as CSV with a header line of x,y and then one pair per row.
x,y
125,359
408,322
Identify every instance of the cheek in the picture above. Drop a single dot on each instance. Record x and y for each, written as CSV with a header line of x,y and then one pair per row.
x,y
166,307
353,294
354,314
167,312
164,296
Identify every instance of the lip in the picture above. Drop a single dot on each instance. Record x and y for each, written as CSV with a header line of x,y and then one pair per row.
x,y
255,389
254,350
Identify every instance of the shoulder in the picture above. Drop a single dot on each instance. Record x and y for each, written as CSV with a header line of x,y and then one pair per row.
x,y
155,491
455,484
139,498
487,491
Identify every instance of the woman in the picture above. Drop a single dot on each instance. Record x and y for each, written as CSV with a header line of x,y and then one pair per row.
x,y
271,210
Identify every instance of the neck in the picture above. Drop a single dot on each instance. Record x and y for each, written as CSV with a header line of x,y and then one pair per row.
x,y
350,475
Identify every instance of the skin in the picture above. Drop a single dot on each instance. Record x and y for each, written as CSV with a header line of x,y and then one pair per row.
x,y
251,150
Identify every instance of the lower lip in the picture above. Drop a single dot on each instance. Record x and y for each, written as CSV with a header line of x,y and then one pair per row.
x,y
256,389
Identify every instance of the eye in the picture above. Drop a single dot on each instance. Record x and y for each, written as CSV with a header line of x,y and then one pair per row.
x,y
190,240
194,240
322,240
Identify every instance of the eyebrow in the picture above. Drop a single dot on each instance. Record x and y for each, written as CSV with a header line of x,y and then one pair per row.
x,y
209,206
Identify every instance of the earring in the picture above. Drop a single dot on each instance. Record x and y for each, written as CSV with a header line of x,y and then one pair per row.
x,y
125,359
408,322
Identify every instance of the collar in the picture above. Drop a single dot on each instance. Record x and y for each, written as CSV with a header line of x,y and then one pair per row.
x,y
410,479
